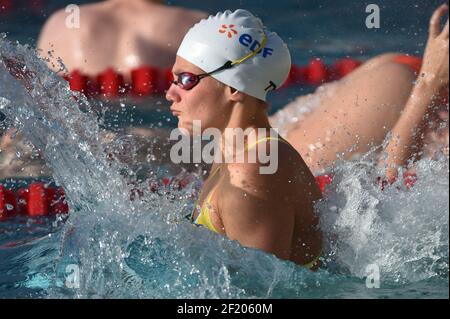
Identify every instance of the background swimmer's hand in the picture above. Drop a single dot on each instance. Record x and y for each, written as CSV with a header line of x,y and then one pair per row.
x,y
406,141
435,62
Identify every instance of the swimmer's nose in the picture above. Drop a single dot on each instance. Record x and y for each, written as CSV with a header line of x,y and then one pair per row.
x,y
172,95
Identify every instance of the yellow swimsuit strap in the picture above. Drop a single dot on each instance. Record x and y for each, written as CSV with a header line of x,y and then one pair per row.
x,y
265,139
314,262
203,217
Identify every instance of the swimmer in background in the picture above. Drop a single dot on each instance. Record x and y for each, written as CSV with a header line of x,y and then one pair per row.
x,y
121,34
355,114
118,34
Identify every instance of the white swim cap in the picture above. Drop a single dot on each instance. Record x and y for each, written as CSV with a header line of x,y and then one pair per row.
x,y
231,36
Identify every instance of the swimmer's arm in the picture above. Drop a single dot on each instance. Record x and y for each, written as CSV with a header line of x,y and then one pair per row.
x,y
406,138
255,211
407,135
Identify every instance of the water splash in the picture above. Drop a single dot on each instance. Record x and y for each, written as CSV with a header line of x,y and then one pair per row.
x,y
145,248
404,232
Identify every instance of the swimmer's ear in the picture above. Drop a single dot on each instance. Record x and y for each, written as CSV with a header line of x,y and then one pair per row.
x,y
235,95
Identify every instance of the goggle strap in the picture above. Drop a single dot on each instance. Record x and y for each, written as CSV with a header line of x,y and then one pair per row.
x,y
227,65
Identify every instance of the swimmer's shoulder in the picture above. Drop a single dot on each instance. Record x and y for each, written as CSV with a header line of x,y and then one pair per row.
x,y
265,177
54,22
55,34
58,20
51,39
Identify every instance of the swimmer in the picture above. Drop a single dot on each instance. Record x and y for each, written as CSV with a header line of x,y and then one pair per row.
x,y
356,113
224,69
120,34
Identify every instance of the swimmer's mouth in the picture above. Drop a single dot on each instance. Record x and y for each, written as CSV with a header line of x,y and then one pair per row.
x,y
175,112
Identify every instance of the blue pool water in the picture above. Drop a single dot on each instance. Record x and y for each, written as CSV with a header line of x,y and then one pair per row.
x,y
145,248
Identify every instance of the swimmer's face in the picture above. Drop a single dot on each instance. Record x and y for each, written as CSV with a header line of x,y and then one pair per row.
x,y
207,101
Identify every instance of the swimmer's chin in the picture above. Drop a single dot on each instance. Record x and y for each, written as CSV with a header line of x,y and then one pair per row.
x,y
186,129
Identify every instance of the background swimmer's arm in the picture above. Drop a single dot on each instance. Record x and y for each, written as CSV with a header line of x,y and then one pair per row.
x,y
256,209
407,135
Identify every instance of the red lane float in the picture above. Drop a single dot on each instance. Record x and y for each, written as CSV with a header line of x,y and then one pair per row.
x,y
22,200
111,84
317,72
35,201
147,80
7,203
77,81
415,63
39,200
144,81
323,181
5,6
